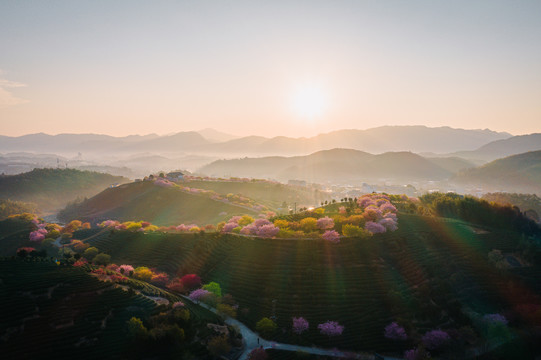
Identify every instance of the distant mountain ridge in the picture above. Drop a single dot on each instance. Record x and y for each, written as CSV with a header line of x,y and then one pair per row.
x,y
209,141
375,140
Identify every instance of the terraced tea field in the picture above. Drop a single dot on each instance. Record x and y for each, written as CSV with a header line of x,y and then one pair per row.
x,y
52,311
425,273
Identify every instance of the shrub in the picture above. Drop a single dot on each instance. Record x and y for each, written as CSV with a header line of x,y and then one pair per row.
x,y
143,273
136,329
90,253
218,346
308,224
226,310
354,231
190,281
214,288
265,326
102,259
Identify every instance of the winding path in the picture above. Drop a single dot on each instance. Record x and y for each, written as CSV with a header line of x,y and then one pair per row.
x,y
250,339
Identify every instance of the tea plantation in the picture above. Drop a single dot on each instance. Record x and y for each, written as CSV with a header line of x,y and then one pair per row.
x,y
430,273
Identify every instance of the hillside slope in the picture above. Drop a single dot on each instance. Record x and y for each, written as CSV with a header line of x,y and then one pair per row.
x,y
504,147
332,165
424,274
270,194
52,189
517,173
146,201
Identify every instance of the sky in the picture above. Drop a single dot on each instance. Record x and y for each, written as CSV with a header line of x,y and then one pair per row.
x,y
292,68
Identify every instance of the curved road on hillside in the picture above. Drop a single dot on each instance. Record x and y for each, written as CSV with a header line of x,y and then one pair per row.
x,y
250,340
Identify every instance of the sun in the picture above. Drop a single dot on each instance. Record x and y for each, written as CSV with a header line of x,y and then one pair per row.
x,y
309,101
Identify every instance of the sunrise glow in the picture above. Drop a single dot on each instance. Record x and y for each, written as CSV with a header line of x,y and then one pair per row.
x,y
309,102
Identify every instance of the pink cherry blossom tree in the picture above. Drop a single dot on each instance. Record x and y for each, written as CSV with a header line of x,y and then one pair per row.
x,y
330,328
332,236
300,325
374,227
198,295
325,223
394,331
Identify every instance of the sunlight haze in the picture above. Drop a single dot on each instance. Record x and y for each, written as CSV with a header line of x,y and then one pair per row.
x,y
124,67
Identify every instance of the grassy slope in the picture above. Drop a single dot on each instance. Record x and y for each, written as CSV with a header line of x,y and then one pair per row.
x,y
426,270
161,206
271,195
53,188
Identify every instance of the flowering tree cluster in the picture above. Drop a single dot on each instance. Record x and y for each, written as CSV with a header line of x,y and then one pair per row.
x,y
494,319
188,228
25,250
379,213
325,223
332,236
435,339
330,328
160,279
145,226
129,225
38,235
199,295
248,226
104,275
394,331
80,262
190,281
126,269
416,354
300,325
40,231
178,304
161,182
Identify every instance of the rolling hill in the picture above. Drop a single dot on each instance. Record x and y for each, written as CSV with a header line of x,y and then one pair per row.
x,y
146,201
517,173
337,165
272,195
52,189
